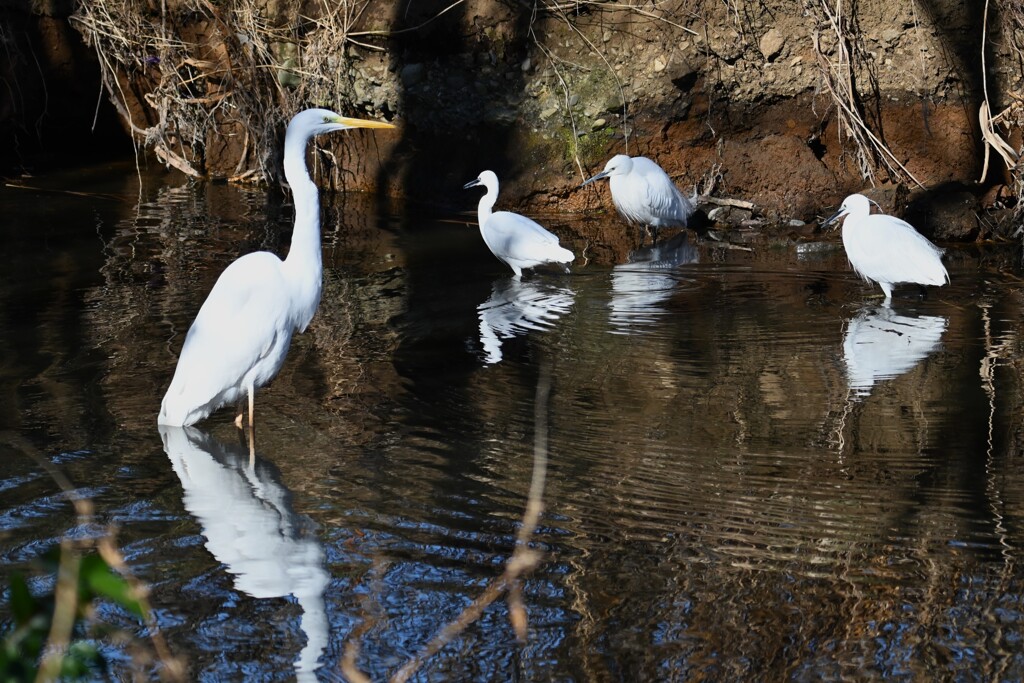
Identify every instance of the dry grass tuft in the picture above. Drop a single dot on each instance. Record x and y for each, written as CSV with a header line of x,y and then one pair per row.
x,y
184,74
996,128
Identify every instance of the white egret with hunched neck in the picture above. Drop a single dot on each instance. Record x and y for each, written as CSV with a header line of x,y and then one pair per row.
x,y
644,194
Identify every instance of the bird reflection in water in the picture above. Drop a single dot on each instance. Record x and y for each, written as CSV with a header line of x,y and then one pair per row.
x,y
880,344
640,285
516,307
250,527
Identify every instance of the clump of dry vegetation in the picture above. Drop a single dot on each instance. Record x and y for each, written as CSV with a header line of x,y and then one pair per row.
x,y
189,76
848,77
1009,121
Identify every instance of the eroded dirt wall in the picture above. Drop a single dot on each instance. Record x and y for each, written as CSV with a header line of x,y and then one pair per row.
x,y
789,104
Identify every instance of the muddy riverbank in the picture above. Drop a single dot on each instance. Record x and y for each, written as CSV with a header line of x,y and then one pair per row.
x,y
788,105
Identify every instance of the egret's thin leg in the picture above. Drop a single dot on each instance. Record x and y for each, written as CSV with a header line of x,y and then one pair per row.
x,y
240,409
252,426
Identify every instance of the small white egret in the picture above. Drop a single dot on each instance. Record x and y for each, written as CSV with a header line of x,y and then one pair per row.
x,y
644,194
514,239
242,332
887,250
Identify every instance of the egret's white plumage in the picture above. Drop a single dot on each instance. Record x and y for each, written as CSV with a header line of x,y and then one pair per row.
x,y
644,194
887,250
516,240
242,332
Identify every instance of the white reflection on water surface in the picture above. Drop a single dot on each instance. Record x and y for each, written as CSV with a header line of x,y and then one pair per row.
x,y
250,527
515,308
880,344
640,286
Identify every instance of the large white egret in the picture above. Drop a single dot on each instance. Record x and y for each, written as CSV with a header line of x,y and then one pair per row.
x,y
514,239
887,250
644,194
242,332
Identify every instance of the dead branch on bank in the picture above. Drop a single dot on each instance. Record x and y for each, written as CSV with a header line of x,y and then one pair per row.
x,y
838,75
992,140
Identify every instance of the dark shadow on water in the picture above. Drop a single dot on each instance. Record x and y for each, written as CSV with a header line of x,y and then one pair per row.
x,y
456,123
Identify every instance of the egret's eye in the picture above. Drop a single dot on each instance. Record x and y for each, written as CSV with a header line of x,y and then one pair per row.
x,y
327,119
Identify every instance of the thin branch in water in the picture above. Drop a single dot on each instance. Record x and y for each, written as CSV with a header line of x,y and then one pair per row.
x,y
371,617
523,560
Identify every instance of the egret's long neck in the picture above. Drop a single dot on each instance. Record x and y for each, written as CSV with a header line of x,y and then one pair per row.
x,y
304,261
483,209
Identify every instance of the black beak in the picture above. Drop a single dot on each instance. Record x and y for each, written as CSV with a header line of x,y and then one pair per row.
x,y
602,174
471,183
834,217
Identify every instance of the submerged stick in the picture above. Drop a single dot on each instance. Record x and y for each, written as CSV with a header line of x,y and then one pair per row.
x,y
523,560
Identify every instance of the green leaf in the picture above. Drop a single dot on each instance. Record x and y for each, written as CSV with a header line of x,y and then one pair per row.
x,y
23,605
81,658
102,581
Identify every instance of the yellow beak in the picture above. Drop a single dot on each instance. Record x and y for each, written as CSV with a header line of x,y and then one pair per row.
x,y
362,123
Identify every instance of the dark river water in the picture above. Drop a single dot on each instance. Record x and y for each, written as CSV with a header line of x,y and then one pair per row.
x,y
754,471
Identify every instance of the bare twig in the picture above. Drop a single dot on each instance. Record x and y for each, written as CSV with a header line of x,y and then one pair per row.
x,y
568,107
985,118
611,70
562,7
66,589
371,611
721,201
523,560
993,141
838,78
